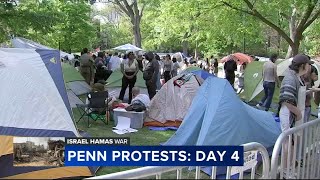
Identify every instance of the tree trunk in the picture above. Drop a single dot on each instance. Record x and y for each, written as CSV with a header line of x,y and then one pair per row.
x,y
295,36
185,46
137,32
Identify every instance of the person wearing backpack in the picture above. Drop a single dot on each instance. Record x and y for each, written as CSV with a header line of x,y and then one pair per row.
x,y
150,74
229,68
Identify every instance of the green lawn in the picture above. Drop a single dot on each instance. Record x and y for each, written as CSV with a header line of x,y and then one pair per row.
x,y
143,137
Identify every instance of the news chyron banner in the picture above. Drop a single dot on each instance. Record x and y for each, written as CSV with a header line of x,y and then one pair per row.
x,y
118,152
60,151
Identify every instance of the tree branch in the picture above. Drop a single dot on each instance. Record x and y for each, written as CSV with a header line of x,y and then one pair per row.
x,y
123,9
306,16
135,8
235,8
142,9
310,21
129,8
268,22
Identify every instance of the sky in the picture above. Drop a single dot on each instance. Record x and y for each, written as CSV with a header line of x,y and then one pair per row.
x,y
36,140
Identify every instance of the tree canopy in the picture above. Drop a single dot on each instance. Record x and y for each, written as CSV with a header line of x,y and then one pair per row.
x,y
194,27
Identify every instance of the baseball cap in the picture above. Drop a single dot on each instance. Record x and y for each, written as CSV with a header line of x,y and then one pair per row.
x,y
302,59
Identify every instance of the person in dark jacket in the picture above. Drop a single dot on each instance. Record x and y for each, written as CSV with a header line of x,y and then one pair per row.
x,y
229,68
150,74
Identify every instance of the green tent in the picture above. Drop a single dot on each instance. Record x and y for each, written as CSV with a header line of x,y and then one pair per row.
x,y
75,84
253,80
70,73
115,80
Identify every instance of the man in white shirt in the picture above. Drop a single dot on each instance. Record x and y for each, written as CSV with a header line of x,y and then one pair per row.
x,y
270,79
114,62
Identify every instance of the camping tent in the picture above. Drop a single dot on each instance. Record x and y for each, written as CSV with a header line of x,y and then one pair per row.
x,y
74,80
253,82
19,42
169,106
201,73
209,121
114,83
33,103
190,69
75,84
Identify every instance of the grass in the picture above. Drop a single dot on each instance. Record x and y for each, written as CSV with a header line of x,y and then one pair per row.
x,y
143,137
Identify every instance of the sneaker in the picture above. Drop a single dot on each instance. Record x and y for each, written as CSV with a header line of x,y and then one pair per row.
x,y
258,106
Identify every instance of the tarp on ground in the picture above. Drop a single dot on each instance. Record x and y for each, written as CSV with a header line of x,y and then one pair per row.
x,y
217,116
34,103
170,105
114,83
253,82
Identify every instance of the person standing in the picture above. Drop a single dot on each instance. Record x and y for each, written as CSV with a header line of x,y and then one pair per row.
x,y
140,61
129,68
270,78
241,77
168,65
292,96
175,67
100,59
114,62
309,80
150,74
215,67
229,68
87,66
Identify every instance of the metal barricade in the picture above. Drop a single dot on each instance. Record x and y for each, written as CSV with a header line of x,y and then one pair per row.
x,y
299,149
251,162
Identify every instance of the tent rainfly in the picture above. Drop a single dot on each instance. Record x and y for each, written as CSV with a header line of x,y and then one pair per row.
x,y
209,121
34,104
19,42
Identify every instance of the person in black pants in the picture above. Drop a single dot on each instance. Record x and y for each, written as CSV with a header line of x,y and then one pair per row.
x,y
129,68
229,68
150,74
